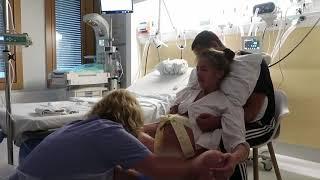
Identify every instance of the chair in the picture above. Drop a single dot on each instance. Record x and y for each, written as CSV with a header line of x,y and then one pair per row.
x,y
281,109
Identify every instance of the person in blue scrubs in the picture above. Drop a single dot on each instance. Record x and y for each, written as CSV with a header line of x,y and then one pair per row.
x,y
92,148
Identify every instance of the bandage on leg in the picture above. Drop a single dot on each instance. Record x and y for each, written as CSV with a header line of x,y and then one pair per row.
x,y
174,137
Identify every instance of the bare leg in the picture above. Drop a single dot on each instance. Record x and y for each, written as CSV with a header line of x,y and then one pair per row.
x,y
170,146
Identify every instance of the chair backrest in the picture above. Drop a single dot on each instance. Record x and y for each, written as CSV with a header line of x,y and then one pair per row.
x,y
281,109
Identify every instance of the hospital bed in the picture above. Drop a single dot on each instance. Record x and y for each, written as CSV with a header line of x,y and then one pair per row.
x,y
155,92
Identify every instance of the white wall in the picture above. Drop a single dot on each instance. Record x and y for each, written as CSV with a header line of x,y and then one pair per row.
x,y
34,64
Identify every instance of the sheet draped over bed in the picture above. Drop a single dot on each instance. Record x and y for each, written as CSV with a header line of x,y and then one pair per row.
x,y
155,93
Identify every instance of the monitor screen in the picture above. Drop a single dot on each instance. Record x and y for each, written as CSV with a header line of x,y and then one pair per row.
x,y
116,6
251,44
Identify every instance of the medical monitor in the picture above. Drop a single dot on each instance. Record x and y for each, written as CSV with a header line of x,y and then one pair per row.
x,y
116,6
251,44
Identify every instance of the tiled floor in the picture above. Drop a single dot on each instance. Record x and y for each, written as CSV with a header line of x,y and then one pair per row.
x,y
269,175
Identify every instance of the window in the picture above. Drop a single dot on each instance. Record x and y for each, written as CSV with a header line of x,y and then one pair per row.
x,y
68,38
17,64
68,34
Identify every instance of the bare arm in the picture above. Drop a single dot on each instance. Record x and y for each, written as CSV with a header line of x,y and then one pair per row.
x,y
253,106
157,166
240,153
208,122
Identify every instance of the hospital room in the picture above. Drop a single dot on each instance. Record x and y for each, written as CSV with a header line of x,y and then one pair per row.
x,y
159,89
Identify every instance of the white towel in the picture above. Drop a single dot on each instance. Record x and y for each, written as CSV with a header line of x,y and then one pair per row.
x,y
50,110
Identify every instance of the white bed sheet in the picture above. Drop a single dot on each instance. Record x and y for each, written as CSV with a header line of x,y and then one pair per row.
x,y
155,93
25,118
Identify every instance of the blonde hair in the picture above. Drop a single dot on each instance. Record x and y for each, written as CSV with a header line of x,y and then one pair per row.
x,y
122,107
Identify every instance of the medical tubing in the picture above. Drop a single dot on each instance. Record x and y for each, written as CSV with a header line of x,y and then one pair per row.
x,y
12,21
285,34
13,72
256,31
146,62
315,24
179,46
269,42
252,23
158,53
241,31
278,37
264,32
283,39
145,48
282,77
159,17
165,6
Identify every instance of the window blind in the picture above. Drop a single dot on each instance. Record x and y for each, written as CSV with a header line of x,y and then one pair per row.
x,y
68,34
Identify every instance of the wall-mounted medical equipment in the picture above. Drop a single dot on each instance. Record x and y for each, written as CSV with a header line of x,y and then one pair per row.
x,y
251,44
101,30
116,6
265,8
106,53
266,11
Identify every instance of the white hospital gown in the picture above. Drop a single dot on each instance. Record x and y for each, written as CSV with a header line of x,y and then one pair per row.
x,y
217,104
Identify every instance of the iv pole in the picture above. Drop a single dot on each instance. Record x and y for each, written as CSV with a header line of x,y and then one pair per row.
x,y
7,90
6,40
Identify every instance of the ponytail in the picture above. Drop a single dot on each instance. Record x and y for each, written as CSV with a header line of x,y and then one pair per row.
x,y
229,54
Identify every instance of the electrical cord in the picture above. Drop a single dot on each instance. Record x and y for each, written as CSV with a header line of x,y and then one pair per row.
x,y
307,34
282,76
165,6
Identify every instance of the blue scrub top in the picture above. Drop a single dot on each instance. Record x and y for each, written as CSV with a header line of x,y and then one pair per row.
x,y
83,149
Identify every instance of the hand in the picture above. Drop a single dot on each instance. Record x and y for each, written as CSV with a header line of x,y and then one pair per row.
x,y
207,122
202,164
227,169
174,109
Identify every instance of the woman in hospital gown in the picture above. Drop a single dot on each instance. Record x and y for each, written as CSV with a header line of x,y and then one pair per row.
x,y
212,67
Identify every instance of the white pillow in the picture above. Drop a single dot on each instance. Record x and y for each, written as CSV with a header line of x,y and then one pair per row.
x,y
172,67
241,81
